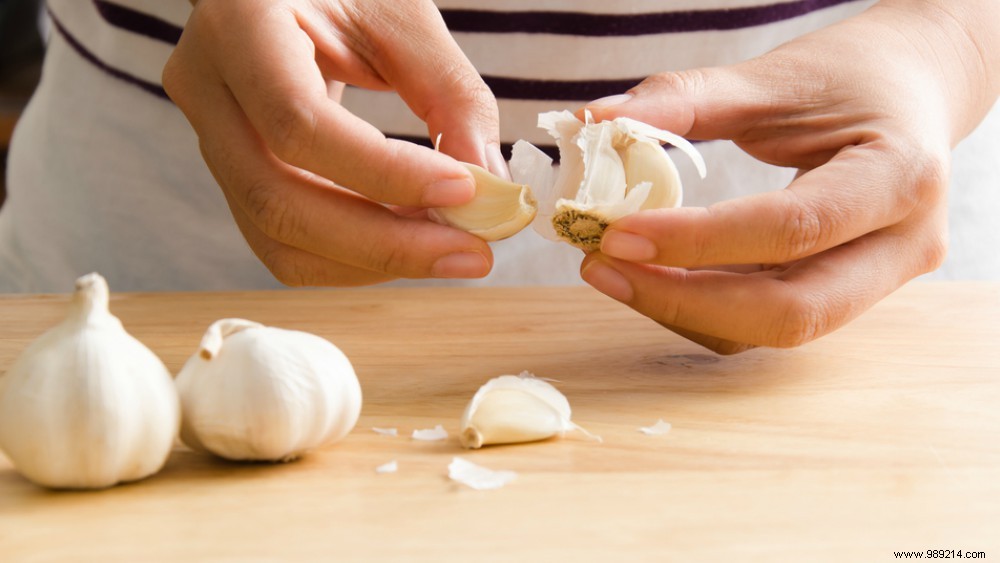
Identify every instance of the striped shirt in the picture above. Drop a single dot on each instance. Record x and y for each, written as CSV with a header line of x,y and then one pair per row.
x,y
535,55
105,173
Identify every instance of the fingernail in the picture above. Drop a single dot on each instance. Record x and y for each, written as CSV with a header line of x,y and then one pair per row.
x,y
627,246
495,161
609,101
607,280
461,265
454,191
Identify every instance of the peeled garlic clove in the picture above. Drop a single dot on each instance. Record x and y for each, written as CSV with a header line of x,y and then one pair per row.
x,y
646,161
499,210
261,393
515,408
607,170
86,405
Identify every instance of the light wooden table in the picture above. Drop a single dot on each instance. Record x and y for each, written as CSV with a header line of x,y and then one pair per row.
x,y
882,437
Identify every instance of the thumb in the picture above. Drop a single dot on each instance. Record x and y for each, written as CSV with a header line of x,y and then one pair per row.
x,y
706,103
429,71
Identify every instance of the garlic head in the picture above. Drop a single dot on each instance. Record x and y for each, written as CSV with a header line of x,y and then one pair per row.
x,y
254,392
500,209
607,170
86,405
515,408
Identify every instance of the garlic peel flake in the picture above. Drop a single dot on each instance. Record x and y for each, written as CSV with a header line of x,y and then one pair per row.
x,y
661,427
435,434
388,467
478,477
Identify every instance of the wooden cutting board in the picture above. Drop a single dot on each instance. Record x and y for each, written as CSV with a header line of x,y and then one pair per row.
x,y
882,437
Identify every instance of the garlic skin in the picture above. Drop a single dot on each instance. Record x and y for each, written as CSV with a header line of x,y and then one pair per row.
x,y
607,170
86,405
257,393
512,409
499,210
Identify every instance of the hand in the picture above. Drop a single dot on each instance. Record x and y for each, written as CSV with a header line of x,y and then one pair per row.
x,y
322,197
868,111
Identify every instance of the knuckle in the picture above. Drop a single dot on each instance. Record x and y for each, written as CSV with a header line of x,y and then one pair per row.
x,y
270,212
284,267
924,172
801,234
802,321
934,251
389,255
173,78
290,129
685,81
728,348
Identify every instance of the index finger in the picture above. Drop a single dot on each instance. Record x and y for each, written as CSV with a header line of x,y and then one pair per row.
x,y
280,87
861,190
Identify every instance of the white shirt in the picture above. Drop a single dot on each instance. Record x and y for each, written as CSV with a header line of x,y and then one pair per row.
x,y
105,173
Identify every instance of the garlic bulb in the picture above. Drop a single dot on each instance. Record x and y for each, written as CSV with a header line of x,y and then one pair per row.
x,y
499,210
515,408
261,393
607,170
86,405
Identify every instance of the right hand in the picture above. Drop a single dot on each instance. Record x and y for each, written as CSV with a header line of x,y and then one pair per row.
x,y
321,196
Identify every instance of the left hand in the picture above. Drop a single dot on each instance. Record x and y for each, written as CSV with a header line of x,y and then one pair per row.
x,y
868,110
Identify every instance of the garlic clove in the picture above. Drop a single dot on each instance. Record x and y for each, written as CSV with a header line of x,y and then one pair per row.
x,y
254,392
86,405
515,408
607,170
507,416
647,162
499,210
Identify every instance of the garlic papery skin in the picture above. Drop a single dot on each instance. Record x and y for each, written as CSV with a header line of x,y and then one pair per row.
x,y
515,408
607,170
86,405
500,209
258,393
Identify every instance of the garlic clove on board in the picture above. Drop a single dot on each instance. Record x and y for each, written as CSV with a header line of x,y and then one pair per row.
x,y
515,408
86,405
500,209
607,170
261,393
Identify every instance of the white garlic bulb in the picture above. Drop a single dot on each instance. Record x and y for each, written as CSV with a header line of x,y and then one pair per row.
x,y
607,170
262,393
499,210
86,405
515,408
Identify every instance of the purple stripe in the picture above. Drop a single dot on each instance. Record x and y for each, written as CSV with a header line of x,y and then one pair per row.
x,y
562,90
603,25
559,23
505,148
138,22
150,87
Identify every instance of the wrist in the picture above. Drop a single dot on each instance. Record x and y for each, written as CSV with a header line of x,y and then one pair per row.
x,y
960,40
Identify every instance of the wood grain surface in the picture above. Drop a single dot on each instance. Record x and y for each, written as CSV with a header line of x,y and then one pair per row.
x,y
882,437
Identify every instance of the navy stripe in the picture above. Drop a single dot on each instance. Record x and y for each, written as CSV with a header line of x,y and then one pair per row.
x,y
151,87
558,23
505,148
138,22
562,90
606,25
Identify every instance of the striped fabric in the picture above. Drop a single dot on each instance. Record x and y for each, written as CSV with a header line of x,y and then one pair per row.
x,y
535,55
